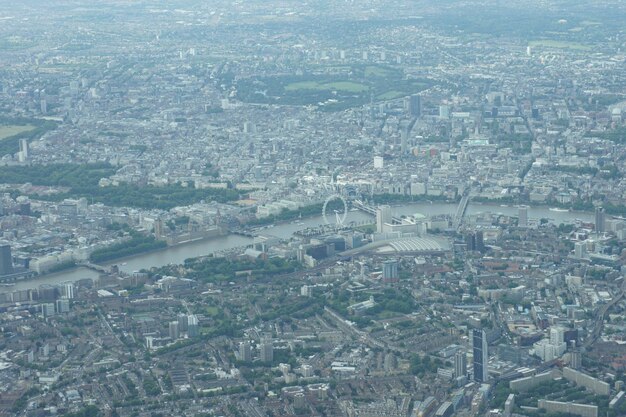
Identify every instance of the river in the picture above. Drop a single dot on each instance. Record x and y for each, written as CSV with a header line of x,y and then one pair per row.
x,y
177,254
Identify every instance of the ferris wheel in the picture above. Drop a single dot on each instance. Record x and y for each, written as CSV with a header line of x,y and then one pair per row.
x,y
340,215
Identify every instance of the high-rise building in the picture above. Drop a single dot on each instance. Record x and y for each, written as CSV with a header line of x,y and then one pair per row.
x,y
404,137
44,106
390,270
460,364
444,112
383,215
470,241
245,352
575,359
182,322
480,241
556,335
67,290
47,309
24,148
299,401
174,330
63,305
379,162
192,325
6,263
522,214
266,351
481,355
600,220
415,105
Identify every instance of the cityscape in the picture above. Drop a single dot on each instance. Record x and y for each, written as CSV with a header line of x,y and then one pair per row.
x,y
313,208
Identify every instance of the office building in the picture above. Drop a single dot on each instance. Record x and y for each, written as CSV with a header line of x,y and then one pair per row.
x,y
481,357
6,263
556,335
48,309
522,214
580,250
47,292
475,241
383,216
600,220
63,305
67,290
460,364
480,241
509,404
404,140
379,162
415,105
575,359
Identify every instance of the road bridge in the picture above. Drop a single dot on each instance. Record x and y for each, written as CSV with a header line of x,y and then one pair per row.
x,y
460,211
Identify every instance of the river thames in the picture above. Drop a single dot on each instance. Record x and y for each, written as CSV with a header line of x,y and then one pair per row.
x,y
178,253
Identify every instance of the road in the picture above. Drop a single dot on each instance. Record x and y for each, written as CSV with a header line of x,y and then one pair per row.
x,y
599,321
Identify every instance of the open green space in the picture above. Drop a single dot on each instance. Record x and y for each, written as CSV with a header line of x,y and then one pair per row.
x,y
347,86
550,43
377,71
83,181
330,88
137,243
390,95
11,130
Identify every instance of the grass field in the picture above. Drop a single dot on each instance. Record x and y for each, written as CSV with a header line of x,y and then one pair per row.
x,y
7,131
372,71
390,95
547,43
346,86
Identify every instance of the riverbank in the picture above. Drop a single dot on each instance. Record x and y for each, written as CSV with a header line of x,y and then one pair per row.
x,y
178,253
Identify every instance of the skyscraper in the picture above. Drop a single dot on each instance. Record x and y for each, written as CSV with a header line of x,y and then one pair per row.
x,y
404,147
390,270
6,263
383,215
600,220
480,241
415,105
460,364
522,214
481,357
